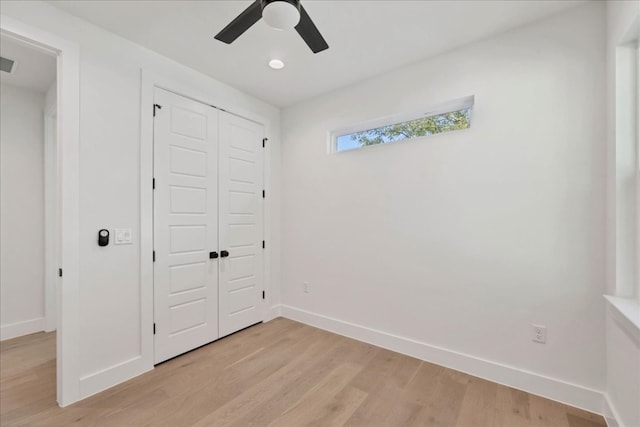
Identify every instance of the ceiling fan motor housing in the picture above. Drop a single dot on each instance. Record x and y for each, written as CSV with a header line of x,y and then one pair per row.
x,y
281,14
295,3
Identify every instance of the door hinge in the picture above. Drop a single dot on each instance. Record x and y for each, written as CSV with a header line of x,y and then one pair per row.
x,y
154,184
263,245
154,256
156,107
262,294
59,272
264,194
154,329
264,141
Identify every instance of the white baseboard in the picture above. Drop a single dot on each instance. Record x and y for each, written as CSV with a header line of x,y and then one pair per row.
x,y
99,381
18,329
273,312
609,413
551,388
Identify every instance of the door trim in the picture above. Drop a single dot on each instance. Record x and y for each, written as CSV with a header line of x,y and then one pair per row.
x,y
68,121
151,79
51,220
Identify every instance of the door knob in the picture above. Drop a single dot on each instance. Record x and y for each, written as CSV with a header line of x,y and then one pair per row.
x,y
213,255
224,254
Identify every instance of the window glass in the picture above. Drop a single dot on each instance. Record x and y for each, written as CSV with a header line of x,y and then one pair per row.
x,y
424,126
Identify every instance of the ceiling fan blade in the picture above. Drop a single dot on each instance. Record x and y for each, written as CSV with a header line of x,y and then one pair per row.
x,y
309,32
242,23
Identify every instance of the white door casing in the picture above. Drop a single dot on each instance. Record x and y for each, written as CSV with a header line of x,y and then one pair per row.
x,y
51,220
185,225
241,223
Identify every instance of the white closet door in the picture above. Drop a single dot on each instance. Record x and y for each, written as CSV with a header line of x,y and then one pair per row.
x,y
185,225
241,223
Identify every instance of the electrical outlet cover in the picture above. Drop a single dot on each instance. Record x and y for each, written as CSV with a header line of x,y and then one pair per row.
x,y
538,333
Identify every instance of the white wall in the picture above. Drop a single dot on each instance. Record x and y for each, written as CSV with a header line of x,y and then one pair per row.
x,y
454,244
110,87
623,337
21,212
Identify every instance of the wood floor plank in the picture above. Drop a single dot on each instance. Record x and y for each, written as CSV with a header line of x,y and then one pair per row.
x,y
579,421
304,381
580,413
384,378
478,403
403,413
422,386
271,398
217,387
545,412
445,399
512,408
281,373
319,402
252,397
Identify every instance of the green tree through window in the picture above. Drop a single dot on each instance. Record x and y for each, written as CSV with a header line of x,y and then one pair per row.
x,y
446,122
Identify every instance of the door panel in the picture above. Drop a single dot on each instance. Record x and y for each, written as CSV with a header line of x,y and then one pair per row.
x,y
187,277
241,223
184,200
185,225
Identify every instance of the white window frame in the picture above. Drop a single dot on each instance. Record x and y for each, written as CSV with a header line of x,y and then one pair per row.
x,y
458,104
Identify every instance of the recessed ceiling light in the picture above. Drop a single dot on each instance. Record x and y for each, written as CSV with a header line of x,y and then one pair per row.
x,y
276,64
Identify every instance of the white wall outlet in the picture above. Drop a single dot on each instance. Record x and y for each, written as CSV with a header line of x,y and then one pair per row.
x,y
538,333
306,287
123,236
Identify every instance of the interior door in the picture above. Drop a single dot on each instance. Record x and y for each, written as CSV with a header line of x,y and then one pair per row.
x,y
241,223
185,224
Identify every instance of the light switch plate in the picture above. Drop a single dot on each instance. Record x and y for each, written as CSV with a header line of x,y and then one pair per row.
x,y
123,236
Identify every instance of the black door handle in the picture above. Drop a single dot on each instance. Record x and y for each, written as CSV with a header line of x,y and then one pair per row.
x,y
213,255
224,254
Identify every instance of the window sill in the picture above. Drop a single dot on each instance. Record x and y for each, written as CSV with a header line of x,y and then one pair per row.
x,y
627,310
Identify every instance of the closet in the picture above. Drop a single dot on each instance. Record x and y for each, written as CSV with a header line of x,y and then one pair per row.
x,y
208,224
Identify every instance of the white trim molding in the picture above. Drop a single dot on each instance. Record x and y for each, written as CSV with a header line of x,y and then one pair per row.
x,y
626,312
68,137
19,329
550,388
51,219
273,313
609,413
99,381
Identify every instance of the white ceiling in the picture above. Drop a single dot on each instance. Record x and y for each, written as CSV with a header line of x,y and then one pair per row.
x,y
32,69
366,38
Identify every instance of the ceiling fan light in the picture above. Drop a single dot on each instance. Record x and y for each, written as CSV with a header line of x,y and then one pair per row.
x,y
281,15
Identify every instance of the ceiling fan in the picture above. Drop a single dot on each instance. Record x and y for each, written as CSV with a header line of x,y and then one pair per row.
x,y
279,14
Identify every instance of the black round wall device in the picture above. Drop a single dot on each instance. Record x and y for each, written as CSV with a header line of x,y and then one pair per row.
x,y
103,237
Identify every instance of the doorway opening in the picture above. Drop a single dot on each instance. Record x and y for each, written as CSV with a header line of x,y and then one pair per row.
x,y
59,130
29,219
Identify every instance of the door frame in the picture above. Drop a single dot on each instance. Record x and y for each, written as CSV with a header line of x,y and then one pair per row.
x,y
68,171
150,79
51,218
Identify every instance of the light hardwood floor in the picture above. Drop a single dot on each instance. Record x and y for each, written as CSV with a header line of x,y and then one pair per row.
x,y
281,373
